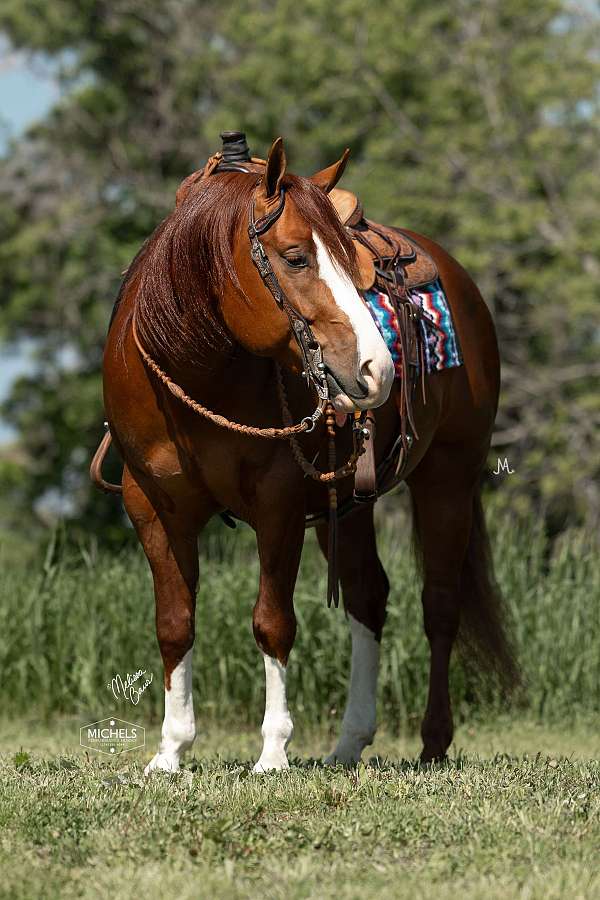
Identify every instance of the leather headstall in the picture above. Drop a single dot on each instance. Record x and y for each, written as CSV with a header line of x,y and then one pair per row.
x,y
312,355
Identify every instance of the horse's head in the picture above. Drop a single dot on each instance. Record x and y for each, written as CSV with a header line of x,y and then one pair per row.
x,y
314,263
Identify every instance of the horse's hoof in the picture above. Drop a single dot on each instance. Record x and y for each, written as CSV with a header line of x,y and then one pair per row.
x,y
430,757
162,762
349,748
348,760
272,762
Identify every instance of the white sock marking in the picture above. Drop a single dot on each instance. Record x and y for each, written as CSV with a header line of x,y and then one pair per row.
x,y
370,344
277,727
179,727
359,723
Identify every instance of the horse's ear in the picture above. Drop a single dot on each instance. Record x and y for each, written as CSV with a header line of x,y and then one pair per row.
x,y
327,178
274,170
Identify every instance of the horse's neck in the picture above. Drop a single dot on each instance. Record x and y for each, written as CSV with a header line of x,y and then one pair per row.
x,y
232,382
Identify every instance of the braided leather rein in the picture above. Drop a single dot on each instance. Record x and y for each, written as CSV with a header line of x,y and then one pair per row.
x,y
306,425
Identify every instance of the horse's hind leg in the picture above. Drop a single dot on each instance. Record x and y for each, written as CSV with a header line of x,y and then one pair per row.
x,y
442,489
365,590
170,545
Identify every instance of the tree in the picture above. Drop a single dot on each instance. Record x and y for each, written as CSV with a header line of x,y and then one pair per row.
x,y
474,123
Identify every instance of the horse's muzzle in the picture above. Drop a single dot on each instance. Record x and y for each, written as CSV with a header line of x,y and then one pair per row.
x,y
339,385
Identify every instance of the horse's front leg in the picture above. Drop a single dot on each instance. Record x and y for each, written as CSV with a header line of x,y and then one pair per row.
x,y
170,544
280,535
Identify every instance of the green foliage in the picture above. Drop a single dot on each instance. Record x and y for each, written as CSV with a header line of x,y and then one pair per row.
x,y
79,617
21,759
474,123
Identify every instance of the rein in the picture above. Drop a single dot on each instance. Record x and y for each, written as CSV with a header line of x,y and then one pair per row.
x,y
306,425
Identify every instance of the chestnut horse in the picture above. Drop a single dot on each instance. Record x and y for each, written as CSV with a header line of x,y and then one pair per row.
x,y
194,302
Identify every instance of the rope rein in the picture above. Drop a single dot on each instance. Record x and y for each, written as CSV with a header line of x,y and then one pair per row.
x,y
288,432
306,425
349,467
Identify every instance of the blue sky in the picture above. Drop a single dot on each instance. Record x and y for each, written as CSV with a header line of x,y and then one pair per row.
x,y
27,90
26,93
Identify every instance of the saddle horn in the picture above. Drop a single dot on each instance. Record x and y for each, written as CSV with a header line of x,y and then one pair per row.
x,y
235,147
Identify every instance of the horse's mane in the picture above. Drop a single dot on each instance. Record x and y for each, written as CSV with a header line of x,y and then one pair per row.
x,y
187,263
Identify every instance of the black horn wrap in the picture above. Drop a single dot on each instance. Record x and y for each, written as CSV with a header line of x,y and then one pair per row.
x,y
235,148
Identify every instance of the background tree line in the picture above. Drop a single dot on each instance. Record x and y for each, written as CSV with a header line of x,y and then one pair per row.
x,y
474,122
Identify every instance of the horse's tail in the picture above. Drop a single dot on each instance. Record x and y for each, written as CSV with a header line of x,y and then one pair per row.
x,y
96,467
483,631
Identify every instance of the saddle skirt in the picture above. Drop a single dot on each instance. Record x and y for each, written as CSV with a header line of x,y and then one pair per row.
x,y
378,246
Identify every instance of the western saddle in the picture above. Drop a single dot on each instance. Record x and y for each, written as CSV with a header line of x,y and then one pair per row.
x,y
392,263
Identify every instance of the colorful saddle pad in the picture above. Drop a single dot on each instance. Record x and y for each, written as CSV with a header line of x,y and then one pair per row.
x,y
440,341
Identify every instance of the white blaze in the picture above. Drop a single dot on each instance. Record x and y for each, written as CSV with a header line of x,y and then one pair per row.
x,y
179,727
359,724
375,364
277,727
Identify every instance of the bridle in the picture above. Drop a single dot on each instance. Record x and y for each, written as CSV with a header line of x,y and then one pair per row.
x,y
312,355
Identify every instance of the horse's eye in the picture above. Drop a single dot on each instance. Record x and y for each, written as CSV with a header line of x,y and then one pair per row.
x,y
296,262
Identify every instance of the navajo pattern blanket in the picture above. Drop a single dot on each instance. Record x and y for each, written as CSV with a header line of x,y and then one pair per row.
x,y
440,341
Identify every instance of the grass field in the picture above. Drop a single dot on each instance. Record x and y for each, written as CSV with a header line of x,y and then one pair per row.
x,y
514,813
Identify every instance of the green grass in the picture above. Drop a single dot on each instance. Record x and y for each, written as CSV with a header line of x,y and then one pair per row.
x,y
514,813
71,621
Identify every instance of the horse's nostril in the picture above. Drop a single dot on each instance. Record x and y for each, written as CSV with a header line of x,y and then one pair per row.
x,y
339,384
363,389
365,372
